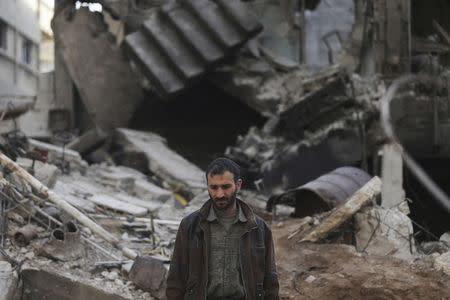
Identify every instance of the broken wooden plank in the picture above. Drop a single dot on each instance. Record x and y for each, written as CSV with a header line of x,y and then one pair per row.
x,y
344,212
64,205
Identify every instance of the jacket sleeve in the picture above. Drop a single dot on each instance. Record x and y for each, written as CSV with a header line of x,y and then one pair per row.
x,y
271,285
176,280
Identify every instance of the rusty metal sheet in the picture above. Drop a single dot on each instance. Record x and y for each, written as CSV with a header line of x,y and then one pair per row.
x,y
324,192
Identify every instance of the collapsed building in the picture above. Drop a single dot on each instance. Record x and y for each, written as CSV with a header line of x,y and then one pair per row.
x,y
291,90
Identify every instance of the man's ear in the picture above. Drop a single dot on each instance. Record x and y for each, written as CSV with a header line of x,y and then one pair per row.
x,y
238,185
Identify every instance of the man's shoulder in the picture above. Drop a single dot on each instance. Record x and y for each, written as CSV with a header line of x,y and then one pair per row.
x,y
190,219
261,223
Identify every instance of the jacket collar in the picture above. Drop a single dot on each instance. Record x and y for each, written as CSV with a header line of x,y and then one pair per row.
x,y
238,217
244,208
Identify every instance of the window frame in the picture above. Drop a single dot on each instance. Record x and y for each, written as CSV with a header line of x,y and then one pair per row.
x,y
3,35
27,54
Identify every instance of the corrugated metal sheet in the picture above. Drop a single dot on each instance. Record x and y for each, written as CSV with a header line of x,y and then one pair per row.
x,y
183,40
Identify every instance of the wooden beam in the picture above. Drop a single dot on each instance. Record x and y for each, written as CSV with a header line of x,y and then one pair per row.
x,y
344,212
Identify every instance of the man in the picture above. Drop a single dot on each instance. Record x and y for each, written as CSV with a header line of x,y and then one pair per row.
x,y
223,250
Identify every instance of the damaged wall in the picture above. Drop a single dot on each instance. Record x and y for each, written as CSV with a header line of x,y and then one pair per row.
x,y
109,90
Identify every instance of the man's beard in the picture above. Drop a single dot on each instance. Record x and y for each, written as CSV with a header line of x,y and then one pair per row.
x,y
229,202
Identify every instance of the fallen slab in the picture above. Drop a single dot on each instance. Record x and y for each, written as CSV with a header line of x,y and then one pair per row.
x,y
344,212
132,181
109,89
117,205
162,161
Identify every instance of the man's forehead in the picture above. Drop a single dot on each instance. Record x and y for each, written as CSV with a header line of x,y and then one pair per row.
x,y
225,177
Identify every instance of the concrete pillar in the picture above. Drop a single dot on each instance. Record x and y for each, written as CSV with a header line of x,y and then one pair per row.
x,y
392,192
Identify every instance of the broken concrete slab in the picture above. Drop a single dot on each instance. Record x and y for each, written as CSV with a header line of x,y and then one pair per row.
x,y
54,154
45,173
146,190
115,204
151,205
36,284
8,281
88,140
133,182
82,40
149,273
381,231
338,216
72,195
162,161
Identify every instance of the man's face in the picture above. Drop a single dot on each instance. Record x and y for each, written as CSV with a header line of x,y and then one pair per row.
x,y
222,190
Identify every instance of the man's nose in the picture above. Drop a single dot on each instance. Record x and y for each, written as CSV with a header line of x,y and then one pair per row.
x,y
220,193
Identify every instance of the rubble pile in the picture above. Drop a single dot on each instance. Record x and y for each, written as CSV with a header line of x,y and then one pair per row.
x,y
303,124
37,234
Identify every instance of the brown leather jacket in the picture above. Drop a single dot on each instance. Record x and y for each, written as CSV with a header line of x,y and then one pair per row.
x,y
188,274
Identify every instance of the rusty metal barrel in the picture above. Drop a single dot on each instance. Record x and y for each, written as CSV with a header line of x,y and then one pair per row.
x,y
322,193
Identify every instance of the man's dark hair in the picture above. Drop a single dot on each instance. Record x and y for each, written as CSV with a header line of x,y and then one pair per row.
x,y
221,165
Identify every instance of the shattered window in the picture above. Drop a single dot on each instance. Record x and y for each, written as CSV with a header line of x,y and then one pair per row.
x,y
3,35
26,51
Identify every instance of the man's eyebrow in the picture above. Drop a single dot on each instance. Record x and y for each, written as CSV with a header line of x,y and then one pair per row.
x,y
224,186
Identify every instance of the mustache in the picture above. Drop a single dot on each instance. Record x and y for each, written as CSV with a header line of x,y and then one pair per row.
x,y
221,199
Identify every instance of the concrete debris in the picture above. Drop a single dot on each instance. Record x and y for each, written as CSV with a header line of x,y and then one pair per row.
x,y
150,274
45,173
59,156
429,248
381,231
161,160
88,141
8,281
445,238
442,263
